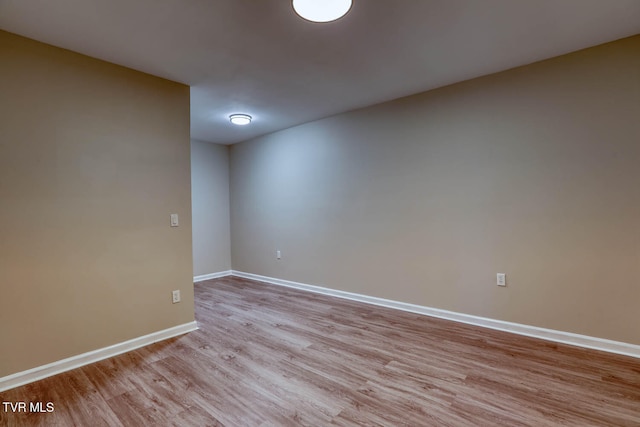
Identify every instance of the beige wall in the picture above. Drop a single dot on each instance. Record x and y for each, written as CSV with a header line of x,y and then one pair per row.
x,y
93,159
534,172
210,206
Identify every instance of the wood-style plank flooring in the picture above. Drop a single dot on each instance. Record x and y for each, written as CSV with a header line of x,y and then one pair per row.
x,y
271,356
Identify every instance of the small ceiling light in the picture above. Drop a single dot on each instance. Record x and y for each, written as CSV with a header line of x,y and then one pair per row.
x,y
240,119
321,10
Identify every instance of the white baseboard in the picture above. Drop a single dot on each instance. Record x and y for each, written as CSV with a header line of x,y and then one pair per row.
x,y
584,341
210,276
44,371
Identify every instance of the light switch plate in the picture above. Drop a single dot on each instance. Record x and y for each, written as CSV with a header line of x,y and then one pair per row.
x,y
174,220
501,279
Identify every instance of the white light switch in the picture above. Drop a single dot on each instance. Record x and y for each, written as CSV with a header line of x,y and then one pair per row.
x,y
501,279
278,255
174,220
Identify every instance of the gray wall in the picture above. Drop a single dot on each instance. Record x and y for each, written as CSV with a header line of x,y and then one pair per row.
x,y
94,158
210,206
533,172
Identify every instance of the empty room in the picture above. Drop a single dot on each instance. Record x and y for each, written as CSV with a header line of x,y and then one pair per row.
x,y
319,213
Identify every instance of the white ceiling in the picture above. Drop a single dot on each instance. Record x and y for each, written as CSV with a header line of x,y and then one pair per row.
x,y
258,57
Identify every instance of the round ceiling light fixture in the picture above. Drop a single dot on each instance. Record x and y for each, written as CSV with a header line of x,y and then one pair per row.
x,y
240,119
321,10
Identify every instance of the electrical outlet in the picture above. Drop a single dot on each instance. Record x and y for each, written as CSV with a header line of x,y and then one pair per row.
x,y
175,296
278,255
501,279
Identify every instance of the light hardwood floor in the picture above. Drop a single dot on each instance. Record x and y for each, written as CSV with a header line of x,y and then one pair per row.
x,y
271,356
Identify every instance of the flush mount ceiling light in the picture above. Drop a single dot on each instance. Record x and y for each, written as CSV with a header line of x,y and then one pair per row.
x,y
321,10
240,119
